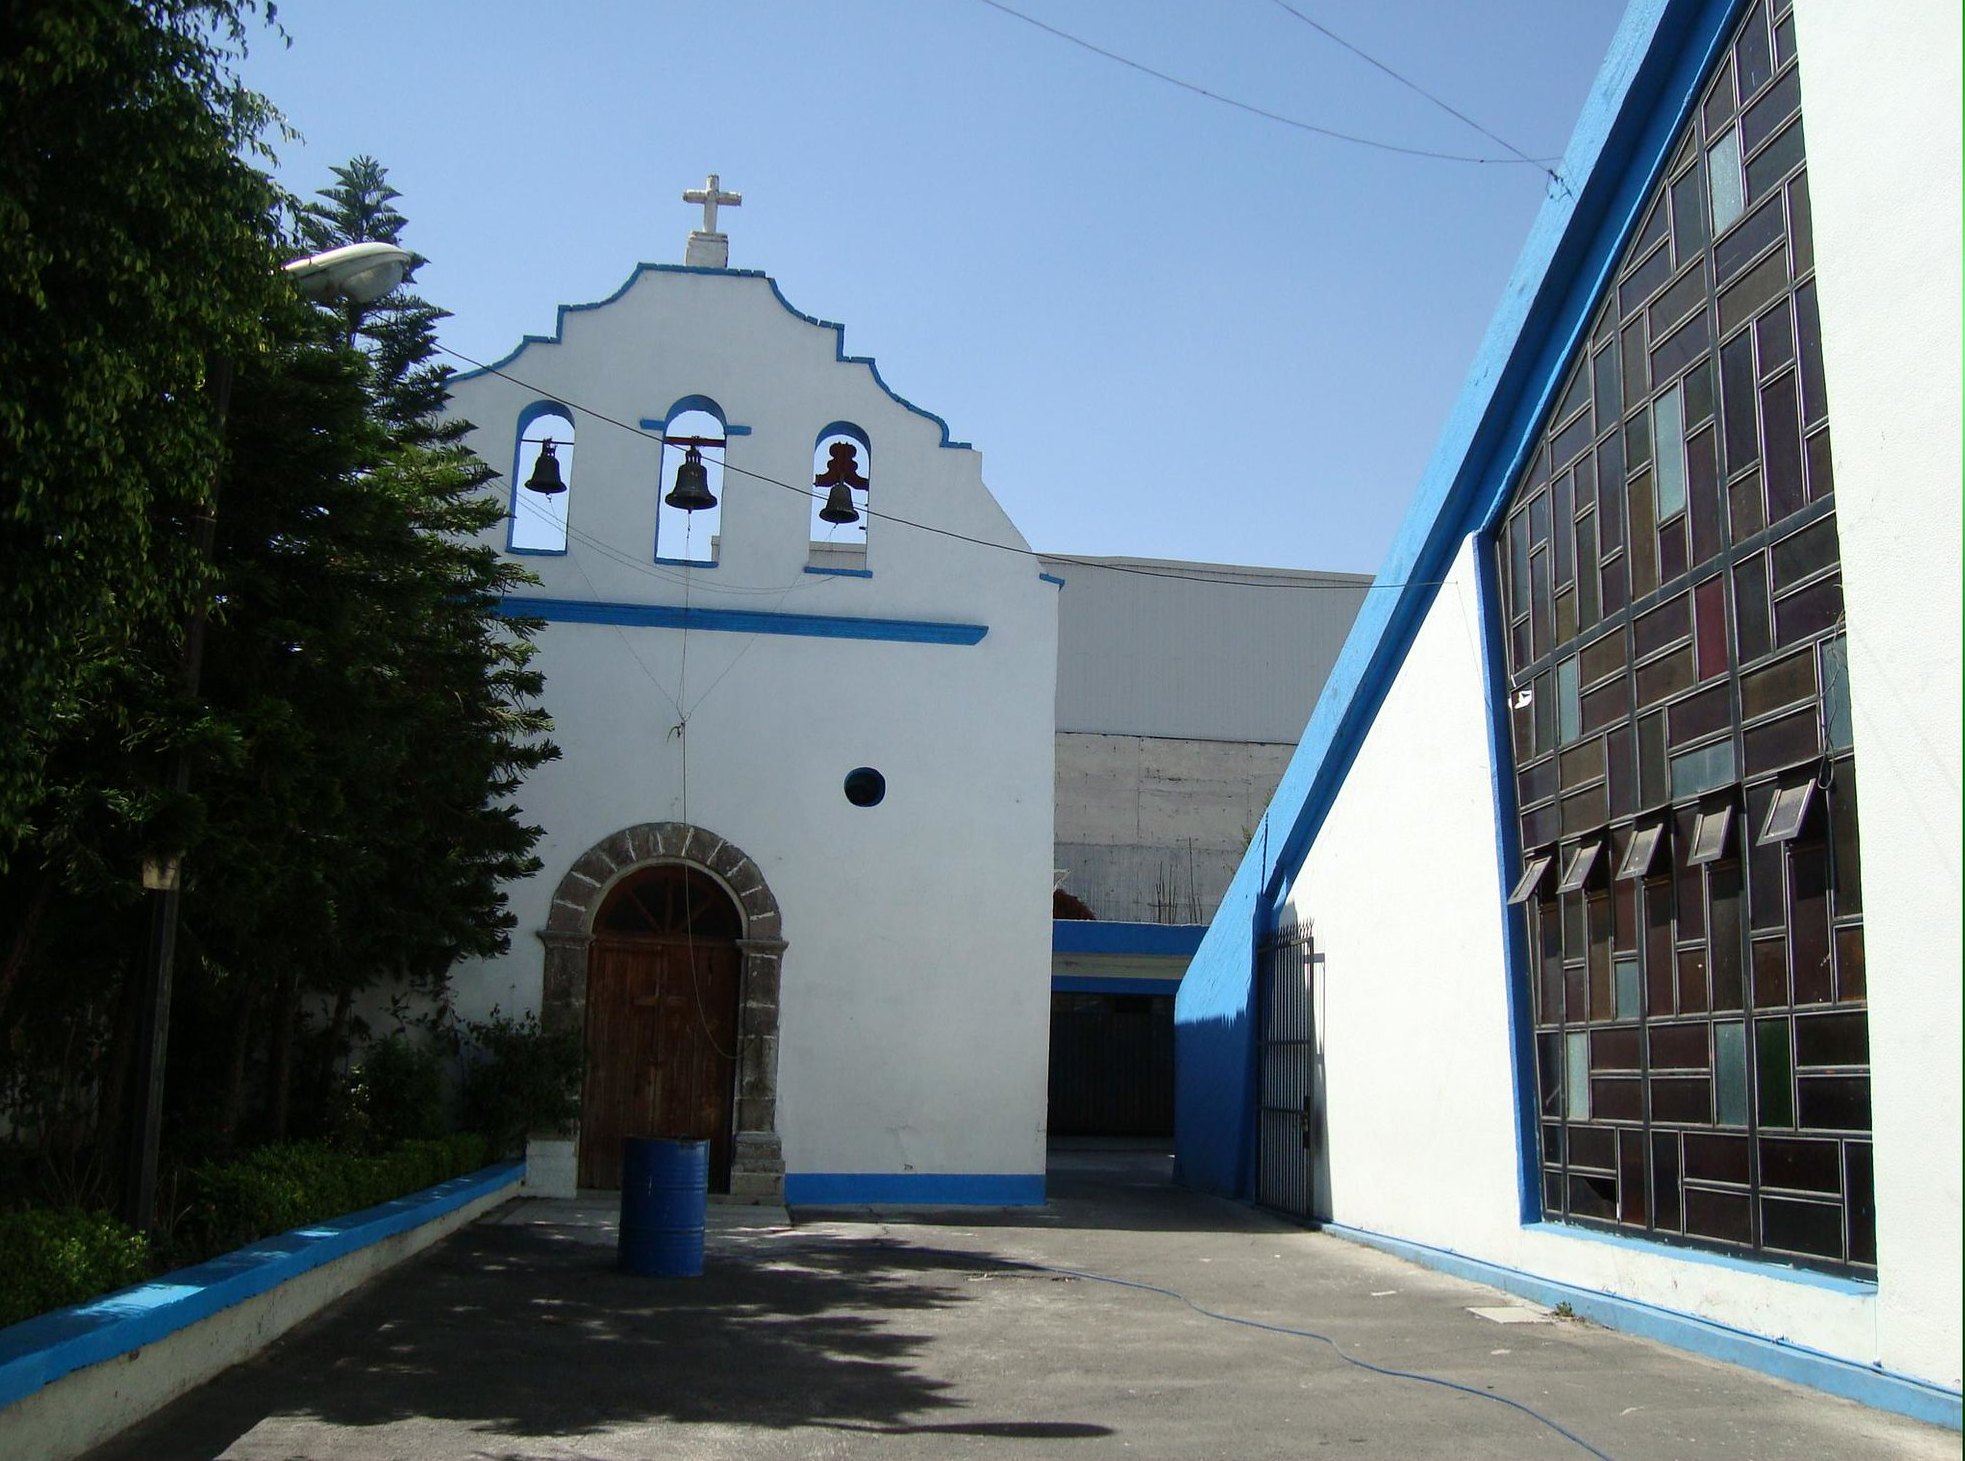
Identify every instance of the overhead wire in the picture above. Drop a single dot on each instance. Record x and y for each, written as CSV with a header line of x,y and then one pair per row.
x,y
1332,133
1332,36
1296,581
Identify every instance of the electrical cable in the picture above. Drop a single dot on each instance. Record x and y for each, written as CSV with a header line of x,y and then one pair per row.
x,y
1252,109
1338,1349
1330,35
1102,565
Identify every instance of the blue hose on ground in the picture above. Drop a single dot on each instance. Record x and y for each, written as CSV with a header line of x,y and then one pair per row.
x,y
1527,1410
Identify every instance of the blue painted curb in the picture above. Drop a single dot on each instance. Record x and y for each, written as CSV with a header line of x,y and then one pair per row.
x,y
1869,1385
41,1350
963,1189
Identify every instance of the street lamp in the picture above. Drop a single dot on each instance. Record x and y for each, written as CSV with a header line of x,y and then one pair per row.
x,y
360,273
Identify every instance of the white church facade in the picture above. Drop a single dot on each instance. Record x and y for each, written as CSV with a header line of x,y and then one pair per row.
x,y
797,850
1603,938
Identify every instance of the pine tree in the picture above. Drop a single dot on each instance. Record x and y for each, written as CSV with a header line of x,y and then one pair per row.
x,y
397,332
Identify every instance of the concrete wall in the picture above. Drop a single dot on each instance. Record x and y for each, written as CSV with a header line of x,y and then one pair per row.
x,y
1196,651
1150,829
914,983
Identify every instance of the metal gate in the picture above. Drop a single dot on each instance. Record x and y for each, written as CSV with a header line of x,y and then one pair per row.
x,y
1285,1063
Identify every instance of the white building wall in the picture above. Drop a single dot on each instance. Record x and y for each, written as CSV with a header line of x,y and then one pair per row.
x,y
1881,100
1403,883
914,1004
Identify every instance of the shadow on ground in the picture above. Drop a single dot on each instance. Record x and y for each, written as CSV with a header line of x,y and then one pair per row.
x,y
531,1332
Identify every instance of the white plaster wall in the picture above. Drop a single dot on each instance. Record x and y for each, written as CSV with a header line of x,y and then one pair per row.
x,y
1881,98
914,1004
1404,890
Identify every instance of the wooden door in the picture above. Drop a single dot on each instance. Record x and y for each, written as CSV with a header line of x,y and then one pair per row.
x,y
661,1025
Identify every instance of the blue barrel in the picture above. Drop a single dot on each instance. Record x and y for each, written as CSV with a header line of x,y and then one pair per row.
x,y
664,1191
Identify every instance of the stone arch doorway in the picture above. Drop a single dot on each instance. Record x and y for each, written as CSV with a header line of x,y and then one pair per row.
x,y
612,913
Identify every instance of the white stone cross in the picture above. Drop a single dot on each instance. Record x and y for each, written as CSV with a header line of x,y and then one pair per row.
x,y
709,196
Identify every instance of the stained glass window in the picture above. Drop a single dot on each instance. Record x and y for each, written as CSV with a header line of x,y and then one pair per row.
x,y
1671,582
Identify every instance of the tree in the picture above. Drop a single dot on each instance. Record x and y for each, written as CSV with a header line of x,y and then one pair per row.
x,y
398,331
136,249
364,715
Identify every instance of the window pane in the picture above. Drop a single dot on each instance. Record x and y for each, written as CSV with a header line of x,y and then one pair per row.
x,y
1668,452
1730,1072
1728,189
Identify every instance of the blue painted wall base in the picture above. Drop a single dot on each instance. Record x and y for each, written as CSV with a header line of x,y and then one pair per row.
x,y
1865,1384
914,1189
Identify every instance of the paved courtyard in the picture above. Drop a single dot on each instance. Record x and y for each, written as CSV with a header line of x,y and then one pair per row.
x,y
977,1334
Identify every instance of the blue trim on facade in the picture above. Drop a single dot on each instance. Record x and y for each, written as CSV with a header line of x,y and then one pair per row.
x,y
1089,936
1050,578
927,1189
839,343
845,428
1514,922
1648,82
839,572
660,425
1092,984
684,562
738,621
1865,1384
40,1351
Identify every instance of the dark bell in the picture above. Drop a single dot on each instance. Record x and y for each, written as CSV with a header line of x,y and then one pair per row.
x,y
839,505
691,492
545,472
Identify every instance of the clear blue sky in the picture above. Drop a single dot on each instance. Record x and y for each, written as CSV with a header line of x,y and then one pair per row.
x,y
1173,329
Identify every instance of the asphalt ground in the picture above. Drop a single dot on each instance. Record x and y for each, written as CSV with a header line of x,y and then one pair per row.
x,y
977,1334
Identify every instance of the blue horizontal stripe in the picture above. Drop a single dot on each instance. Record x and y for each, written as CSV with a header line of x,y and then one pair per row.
x,y
839,572
40,1351
1087,936
1092,984
966,1189
738,621
1864,1384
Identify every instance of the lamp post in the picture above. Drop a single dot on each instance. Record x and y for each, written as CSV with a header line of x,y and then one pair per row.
x,y
363,273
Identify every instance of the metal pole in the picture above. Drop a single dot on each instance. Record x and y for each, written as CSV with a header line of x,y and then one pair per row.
x,y
153,1036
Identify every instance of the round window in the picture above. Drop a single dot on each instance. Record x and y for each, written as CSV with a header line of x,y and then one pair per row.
x,y
865,787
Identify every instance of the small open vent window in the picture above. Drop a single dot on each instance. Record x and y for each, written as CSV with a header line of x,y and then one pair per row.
x,y
1788,812
1642,852
1709,835
1582,862
1531,878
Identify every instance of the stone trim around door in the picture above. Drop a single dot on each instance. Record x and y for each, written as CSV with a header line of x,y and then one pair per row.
x,y
757,1169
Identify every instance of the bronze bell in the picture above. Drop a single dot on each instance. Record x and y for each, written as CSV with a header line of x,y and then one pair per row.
x,y
545,477
839,505
691,492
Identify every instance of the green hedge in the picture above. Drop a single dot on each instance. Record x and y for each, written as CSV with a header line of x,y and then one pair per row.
x,y
225,1205
59,1256
50,1258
